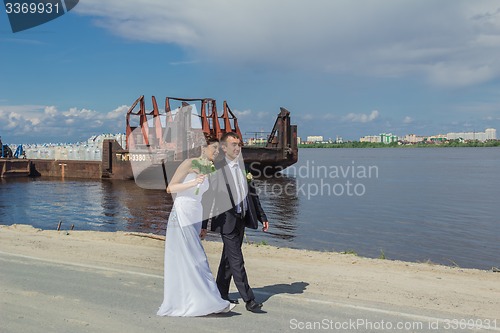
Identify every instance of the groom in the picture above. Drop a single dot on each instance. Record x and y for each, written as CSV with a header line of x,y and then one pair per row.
x,y
234,205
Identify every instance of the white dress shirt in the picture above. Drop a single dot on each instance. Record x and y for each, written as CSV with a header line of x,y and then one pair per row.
x,y
239,180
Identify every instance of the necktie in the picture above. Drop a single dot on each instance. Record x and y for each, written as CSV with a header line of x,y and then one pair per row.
x,y
241,192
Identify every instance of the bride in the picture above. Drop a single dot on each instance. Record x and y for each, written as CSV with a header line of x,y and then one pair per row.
x,y
189,287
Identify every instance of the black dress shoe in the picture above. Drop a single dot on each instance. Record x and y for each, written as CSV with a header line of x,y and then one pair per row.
x,y
232,301
253,306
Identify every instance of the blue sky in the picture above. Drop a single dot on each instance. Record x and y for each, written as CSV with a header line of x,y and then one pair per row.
x,y
343,68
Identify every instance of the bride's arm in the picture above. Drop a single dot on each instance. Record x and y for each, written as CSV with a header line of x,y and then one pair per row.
x,y
176,183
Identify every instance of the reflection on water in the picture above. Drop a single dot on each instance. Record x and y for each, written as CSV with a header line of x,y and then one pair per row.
x,y
138,209
280,202
86,204
113,205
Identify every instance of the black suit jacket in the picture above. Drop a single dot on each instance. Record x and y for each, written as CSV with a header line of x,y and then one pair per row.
x,y
221,210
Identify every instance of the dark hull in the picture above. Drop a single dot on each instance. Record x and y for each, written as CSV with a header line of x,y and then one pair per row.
x,y
12,168
268,161
116,164
258,160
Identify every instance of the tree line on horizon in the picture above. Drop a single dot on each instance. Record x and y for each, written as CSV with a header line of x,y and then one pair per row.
x,y
358,144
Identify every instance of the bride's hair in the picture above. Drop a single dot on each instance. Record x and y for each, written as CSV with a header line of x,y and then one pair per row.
x,y
210,139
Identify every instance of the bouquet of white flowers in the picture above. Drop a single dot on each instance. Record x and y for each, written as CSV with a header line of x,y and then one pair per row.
x,y
204,168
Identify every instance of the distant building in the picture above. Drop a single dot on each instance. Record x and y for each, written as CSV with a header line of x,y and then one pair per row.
x,y
299,141
257,141
388,138
371,138
315,138
488,134
491,134
381,138
412,138
436,138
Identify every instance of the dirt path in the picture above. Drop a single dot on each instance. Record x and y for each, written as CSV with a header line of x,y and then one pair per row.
x,y
463,293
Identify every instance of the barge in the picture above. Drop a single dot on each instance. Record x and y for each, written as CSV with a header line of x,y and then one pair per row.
x,y
156,140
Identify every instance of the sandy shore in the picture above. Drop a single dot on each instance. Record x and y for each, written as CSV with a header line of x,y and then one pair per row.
x,y
464,293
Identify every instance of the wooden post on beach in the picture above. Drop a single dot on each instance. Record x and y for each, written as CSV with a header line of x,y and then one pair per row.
x,y
59,226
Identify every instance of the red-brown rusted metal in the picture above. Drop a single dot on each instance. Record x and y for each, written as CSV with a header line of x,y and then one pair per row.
x,y
128,132
154,136
205,126
157,124
228,114
215,130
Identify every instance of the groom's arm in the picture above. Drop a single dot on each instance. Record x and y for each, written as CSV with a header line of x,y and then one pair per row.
x,y
261,215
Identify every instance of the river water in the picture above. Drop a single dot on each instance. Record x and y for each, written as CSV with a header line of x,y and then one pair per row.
x,y
421,204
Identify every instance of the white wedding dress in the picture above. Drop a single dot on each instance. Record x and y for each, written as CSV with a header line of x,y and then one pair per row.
x,y
189,286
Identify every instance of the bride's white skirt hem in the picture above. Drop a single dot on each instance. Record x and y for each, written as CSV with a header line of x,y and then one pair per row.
x,y
225,309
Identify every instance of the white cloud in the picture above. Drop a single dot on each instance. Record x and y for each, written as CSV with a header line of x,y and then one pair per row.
x,y
50,110
118,113
244,113
263,115
329,116
452,43
82,113
12,120
361,118
408,120
21,118
37,122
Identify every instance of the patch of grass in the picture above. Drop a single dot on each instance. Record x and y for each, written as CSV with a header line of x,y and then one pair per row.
x,y
352,252
453,263
382,254
428,262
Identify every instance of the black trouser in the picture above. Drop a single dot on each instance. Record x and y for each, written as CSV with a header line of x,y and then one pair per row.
x,y
233,265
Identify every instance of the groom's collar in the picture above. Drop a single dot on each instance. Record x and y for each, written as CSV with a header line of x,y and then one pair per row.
x,y
231,163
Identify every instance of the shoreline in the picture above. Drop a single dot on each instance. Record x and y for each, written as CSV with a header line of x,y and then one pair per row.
x,y
211,237
325,276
